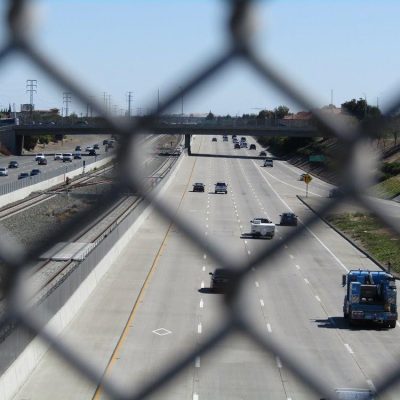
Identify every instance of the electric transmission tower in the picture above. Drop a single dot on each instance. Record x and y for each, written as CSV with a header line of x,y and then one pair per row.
x,y
66,101
31,86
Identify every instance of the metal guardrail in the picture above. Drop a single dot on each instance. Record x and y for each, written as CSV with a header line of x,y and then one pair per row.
x,y
356,179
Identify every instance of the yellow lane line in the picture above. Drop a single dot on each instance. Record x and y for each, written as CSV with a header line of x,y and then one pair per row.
x,y
128,325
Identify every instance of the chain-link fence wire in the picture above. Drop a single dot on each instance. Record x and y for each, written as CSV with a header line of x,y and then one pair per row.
x,y
356,180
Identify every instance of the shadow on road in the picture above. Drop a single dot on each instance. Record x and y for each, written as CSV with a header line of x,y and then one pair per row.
x,y
342,323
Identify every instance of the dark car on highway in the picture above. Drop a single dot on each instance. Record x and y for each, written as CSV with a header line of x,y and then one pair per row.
x,y
253,147
263,154
42,161
214,139
13,164
198,187
236,146
77,156
288,219
92,152
220,279
35,172
23,175
78,148
105,141
96,146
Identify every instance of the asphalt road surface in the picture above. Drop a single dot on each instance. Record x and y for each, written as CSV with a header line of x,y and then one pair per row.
x,y
153,306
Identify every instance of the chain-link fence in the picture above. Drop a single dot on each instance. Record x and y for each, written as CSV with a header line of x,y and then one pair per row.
x,y
356,180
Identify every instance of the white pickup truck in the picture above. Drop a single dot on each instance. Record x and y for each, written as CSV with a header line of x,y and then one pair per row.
x,y
262,227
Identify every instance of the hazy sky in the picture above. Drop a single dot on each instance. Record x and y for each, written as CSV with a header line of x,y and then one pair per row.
x,y
350,46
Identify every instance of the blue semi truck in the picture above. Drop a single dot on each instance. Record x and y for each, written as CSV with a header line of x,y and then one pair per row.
x,y
370,296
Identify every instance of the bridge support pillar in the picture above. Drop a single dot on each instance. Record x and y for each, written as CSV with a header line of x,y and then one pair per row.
x,y
187,143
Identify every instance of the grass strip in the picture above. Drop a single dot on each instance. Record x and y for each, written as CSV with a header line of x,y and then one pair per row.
x,y
375,238
388,188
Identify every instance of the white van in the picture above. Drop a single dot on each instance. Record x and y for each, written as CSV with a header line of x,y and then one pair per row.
x,y
67,157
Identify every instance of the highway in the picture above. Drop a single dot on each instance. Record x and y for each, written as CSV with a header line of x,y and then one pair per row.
x,y
153,305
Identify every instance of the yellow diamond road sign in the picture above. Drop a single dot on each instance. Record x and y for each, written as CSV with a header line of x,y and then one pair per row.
x,y
307,178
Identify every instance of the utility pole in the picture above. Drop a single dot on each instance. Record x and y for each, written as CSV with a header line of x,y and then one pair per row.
x,y
66,101
105,100
109,103
31,86
129,103
181,103
158,100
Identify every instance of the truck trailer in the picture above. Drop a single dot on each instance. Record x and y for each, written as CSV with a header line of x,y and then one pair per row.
x,y
370,296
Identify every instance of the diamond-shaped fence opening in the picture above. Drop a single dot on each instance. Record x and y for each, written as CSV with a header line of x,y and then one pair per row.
x,y
27,323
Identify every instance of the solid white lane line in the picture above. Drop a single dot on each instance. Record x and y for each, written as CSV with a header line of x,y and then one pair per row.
x,y
262,302
349,349
306,281
308,229
278,362
199,328
201,303
257,284
297,266
202,284
269,329
197,362
318,299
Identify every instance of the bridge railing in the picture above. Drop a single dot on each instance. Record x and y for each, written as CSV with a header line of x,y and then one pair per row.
x,y
356,181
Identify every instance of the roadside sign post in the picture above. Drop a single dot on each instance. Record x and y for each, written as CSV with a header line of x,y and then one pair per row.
x,y
307,180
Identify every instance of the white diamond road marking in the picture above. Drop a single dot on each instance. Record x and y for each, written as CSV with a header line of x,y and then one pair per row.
x,y
162,332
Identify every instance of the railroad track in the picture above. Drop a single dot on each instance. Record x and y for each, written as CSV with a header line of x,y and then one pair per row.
x,y
44,275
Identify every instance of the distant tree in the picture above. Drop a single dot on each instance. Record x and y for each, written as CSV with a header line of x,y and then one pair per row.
x,y
210,116
281,112
265,114
360,109
30,142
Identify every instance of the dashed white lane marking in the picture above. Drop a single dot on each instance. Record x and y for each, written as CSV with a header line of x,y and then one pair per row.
x,y
306,281
285,246
318,299
199,328
248,252
291,256
206,226
257,284
205,256
204,268
397,323
245,241
349,349
206,218
195,396
241,226
269,329
239,221
206,233
278,362
297,266
262,302
201,303
202,284
197,362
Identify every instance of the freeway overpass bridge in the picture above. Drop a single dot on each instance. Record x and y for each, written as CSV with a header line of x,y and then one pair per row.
x,y
178,126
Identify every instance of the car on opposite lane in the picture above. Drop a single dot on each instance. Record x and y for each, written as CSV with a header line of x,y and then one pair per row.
x,y
3,171
13,164
35,172
198,187
23,175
